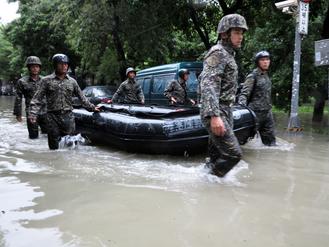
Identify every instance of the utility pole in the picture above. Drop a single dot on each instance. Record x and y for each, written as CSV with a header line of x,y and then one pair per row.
x,y
299,9
294,122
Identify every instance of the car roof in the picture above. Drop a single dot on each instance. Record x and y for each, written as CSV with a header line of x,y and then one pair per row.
x,y
170,68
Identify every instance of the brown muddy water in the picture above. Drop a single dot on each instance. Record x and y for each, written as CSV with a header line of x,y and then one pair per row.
x,y
97,196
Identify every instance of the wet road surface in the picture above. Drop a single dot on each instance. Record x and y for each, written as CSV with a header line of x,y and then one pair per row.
x,y
98,196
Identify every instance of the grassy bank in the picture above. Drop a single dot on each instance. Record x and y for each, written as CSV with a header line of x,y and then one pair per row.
x,y
307,108
305,113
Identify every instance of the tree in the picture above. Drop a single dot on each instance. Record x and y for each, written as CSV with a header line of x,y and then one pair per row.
x,y
321,91
104,37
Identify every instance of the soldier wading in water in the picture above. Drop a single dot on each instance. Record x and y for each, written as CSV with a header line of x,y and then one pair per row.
x,y
27,86
256,93
218,89
58,89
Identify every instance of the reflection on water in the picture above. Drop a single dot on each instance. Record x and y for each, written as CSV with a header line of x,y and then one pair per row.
x,y
98,196
16,202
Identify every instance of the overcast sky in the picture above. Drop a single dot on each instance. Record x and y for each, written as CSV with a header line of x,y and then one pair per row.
x,y
7,11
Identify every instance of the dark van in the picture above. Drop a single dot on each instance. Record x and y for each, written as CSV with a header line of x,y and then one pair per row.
x,y
154,80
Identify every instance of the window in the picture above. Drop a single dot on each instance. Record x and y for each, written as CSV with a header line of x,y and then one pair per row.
x,y
146,85
88,92
192,83
160,83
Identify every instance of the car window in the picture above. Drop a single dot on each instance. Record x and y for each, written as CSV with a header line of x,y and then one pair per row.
x,y
160,83
139,80
192,83
146,85
99,92
87,92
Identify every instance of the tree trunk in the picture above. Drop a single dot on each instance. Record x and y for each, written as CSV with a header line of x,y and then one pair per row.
x,y
197,25
318,110
325,30
119,47
319,106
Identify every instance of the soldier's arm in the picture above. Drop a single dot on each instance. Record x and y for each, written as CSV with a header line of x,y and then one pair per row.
x,y
117,94
84,101
37,100
211,85
18,100
168,91
246,90
188,98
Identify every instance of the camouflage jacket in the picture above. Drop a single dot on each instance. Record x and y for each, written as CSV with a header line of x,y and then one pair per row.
x,y
256,91
58,95
129,92
178,90
26,87
218,80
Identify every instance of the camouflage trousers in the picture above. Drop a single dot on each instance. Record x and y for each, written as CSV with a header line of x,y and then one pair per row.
x,y
266,127
224,151
33,128
60,123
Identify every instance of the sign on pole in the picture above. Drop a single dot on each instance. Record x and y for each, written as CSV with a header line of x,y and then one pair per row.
x,y
321,52
303,17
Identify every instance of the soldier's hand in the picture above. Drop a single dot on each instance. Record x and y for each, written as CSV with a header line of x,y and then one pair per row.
x,y
173,100
192,102
142,102
19,118
242,102
217,126
33,119
97,109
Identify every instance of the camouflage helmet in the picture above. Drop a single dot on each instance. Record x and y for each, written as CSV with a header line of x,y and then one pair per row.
x,y
232,21
33,60
260,55
182,72
130,69
60,58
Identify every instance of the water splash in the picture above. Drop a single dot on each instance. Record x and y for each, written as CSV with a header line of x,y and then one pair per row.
x,y
157,172
257,144
72,141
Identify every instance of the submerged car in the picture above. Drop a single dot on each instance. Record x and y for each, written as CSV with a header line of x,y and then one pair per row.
x,y
96,94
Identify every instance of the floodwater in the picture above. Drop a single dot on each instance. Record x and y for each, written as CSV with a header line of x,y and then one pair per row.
x,y
98,196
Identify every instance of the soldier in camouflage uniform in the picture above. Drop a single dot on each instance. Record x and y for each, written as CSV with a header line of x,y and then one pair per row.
x,y
176,91
129,92
218,86
256,93
26,87
58,89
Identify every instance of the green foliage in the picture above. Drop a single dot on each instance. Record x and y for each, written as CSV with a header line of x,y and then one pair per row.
x,y
34,34
103,37
8,56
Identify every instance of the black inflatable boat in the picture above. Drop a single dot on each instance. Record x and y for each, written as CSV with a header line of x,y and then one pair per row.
x,y
156,129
